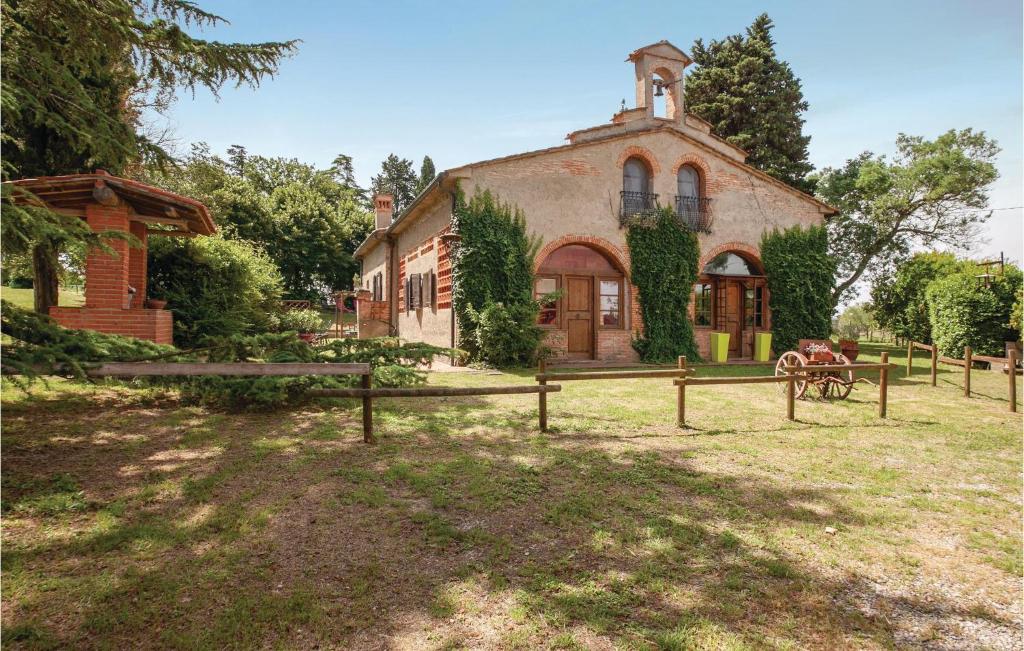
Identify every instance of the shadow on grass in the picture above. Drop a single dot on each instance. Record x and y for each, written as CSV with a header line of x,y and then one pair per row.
x,y
298,535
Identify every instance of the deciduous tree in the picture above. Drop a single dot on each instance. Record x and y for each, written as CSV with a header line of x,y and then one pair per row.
x,y
932,192
397,178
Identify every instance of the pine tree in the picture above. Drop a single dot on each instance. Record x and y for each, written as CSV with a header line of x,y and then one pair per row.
x,y
753,100
427,174
76,75
398,179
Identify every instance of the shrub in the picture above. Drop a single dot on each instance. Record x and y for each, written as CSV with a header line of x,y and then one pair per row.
x,y
801,276
507,335
664,257
299,321
493,264
965,312
215,287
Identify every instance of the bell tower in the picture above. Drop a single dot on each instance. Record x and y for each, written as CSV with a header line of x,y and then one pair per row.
x,y
659,70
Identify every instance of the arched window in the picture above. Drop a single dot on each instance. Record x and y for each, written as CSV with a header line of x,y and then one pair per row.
x,y
688,182
635,177
730,264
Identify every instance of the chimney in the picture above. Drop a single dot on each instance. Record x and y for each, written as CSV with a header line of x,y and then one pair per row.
x,y
382,204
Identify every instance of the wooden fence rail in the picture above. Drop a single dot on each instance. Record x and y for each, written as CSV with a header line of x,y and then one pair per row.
x,y
246,369
967,363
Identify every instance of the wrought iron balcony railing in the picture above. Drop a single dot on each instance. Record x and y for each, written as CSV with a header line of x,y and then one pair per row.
x,y
636,203
695,213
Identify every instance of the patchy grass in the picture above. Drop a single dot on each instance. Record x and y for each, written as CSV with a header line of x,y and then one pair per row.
x,y
24,298
129,521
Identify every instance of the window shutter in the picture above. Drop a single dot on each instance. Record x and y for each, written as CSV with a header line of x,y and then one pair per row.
x,y
408,293
428,290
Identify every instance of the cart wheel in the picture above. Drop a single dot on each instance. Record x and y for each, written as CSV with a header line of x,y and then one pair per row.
x,y
841,390
791,358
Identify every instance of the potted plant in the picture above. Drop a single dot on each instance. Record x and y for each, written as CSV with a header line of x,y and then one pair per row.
x,y
818,353
156,303
850,348
307,323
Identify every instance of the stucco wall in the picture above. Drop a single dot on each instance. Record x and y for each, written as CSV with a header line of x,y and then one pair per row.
x,y
417,252
373,317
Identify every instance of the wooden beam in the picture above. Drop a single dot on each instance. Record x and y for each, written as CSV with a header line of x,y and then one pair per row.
x,y
155,219
615,375
161,369
432,392
754,379
831,368
157,231
102,193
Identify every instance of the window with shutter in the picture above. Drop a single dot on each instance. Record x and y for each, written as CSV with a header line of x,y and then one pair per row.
x,y
408,293
428,289
416,289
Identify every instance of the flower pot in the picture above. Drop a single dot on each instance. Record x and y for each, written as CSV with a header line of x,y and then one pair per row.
x,y
821,357
719,346
156,304
762,346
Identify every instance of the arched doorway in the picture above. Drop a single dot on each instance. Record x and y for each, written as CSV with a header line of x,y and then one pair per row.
x,y
731,296
592,297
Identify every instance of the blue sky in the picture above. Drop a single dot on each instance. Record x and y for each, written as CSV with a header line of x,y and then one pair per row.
x,y
466,81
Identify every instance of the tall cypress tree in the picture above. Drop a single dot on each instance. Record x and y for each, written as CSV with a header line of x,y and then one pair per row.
x,y
427,173
753,100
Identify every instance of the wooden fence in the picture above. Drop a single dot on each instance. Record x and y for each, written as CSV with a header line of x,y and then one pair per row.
x,y
1010,361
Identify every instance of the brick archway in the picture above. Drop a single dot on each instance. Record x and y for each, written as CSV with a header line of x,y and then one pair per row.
x,y
633,151
599,244
746,250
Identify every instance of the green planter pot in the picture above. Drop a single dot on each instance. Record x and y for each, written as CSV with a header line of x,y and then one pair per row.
x,y
719,346
762,346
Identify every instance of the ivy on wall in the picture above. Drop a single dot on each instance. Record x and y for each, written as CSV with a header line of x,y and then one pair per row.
x,y
801,276
664,257
492,275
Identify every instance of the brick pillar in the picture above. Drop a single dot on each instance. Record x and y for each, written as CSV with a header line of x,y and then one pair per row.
x,y
106,276
137,264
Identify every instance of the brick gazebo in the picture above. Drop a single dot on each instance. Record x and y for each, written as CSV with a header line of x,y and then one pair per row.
x,y
111,203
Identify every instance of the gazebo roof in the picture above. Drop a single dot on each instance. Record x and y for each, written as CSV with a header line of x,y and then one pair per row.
x,y
71,193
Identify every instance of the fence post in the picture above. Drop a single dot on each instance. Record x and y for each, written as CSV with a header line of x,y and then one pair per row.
x,y
1013,379
542,397
790,395
910,356
368,410
883,386
935,362
681,395
967,371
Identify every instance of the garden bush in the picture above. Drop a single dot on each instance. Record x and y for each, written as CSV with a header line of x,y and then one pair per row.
x,y
801,275
215,287
507,335
664,257
299,321
963,311
492,265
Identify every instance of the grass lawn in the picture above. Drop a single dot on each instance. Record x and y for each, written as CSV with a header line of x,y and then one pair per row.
x,y
131,522
23,297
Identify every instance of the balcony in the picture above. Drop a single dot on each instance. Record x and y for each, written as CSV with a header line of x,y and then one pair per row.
x,y
634,204
695,213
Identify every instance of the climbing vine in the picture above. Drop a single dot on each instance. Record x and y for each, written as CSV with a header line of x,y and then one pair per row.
x,y
801,276
492,281
664,257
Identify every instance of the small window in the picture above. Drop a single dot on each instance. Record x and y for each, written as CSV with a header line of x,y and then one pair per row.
x,y
428,288
753,306
548,311
688,182
416,291
611,303
702,304
635,177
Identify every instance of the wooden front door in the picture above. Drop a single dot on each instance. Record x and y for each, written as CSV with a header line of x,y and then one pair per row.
x,y
734,316
579,315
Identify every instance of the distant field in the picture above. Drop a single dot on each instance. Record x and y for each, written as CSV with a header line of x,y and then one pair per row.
x,y
23,297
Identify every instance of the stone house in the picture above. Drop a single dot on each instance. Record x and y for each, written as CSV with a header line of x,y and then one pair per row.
x,y
576,197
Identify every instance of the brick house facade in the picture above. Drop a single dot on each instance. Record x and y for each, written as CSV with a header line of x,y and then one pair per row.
x,y
574,197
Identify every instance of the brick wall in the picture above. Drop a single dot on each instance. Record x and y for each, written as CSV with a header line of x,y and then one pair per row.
x,y
154,325
137,264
